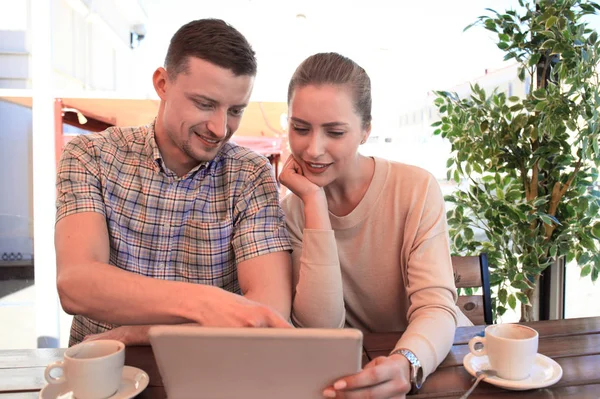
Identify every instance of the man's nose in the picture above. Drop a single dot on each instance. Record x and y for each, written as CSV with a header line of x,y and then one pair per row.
x,y
217,124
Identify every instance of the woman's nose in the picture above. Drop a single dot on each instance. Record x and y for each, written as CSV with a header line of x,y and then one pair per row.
x,y
316,146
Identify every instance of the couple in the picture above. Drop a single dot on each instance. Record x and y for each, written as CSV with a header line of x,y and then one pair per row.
x,y
170,223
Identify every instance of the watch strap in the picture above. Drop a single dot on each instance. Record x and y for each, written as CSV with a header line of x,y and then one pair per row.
x,y
416,371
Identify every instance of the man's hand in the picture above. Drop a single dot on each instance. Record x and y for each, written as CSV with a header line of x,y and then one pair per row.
x,y
129,335
240,312
383,378
225,309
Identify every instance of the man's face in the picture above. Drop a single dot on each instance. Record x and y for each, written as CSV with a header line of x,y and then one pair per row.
x,y
201,108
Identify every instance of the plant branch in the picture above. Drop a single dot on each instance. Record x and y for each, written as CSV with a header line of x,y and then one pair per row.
x,y
557,193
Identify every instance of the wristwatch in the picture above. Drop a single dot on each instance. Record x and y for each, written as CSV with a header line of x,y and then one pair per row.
x,y
416,371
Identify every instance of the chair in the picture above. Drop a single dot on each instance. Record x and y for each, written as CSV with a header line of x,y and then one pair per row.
x,y
472,272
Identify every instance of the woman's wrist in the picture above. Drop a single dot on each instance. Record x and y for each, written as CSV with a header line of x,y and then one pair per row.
x,y
316,213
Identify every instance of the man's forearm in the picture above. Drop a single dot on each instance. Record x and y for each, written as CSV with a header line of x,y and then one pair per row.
x,y
106,293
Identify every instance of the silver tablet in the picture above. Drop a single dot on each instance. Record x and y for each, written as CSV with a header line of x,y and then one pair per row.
x,y
206,362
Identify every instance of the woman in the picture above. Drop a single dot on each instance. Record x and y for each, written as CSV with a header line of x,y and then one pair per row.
x,y
370,239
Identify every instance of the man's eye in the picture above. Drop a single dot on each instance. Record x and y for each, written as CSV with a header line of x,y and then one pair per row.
x,y
236,112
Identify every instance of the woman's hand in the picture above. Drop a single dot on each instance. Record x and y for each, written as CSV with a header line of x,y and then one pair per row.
x,y
293,178
383,377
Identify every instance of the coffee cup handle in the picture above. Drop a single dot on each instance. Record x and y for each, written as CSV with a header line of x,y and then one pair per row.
x,y
49,368
477,352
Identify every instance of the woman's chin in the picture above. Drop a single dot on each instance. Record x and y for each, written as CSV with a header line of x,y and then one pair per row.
x,y
318,180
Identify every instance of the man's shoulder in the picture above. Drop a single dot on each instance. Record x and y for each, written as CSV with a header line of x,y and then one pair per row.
x,y
242,156
112,138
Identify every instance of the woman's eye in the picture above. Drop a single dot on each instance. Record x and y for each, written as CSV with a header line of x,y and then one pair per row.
x,y
336,133
299,129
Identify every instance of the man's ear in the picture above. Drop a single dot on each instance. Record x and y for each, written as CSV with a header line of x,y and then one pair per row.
x,y
160,79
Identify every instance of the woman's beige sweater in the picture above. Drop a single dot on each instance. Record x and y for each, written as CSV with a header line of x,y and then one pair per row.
x,y
384,267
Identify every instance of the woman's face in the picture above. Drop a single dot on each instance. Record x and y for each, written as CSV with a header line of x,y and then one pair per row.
x,y
325,132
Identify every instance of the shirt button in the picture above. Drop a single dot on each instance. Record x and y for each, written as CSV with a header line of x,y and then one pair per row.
x,y
161,266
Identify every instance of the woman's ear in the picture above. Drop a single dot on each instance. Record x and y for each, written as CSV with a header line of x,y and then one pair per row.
x,y
366,134
160,79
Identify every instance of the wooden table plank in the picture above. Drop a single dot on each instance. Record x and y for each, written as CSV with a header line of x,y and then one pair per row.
x,y
591,391
22,379
17,358
548,328
19,395
454,381
554,347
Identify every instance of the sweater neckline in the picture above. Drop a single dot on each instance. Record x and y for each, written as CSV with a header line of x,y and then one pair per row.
x,y
366,204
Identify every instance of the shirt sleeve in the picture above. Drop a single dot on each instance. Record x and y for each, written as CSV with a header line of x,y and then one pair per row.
x,y
432,313
260,224
78,186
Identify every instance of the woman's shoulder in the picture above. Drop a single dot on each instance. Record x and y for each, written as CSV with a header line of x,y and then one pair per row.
x,y
293,208
406,173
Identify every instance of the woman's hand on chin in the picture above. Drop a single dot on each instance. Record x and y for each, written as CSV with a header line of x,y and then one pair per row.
x,y
293,178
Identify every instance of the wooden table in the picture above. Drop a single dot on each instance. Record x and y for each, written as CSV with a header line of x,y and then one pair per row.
x,y
573,343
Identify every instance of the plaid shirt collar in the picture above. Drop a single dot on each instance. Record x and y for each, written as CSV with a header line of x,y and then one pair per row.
x,y
156,160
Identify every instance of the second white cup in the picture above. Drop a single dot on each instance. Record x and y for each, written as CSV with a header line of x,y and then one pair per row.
x,y
511,349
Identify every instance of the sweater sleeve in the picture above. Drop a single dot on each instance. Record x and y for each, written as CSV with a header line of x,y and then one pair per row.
x,y
432,313
318,297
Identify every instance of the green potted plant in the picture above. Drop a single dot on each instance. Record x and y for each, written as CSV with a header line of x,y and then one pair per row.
x,y
530,162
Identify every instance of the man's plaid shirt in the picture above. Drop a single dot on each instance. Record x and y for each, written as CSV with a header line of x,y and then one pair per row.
x,y
194,229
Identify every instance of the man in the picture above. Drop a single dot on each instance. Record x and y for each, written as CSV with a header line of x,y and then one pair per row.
x,y
168,223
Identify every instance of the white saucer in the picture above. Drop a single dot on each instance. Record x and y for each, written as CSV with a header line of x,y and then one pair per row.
x,y
133,382
545,372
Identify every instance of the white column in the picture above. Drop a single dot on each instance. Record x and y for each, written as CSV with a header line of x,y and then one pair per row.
x,y
44,175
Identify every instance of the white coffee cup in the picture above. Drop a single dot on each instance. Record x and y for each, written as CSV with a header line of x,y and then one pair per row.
x,y
92,370
511,349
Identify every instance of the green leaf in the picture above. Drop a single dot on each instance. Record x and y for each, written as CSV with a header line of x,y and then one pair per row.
x,y
539,94
535,59
553,251
519,284
512,301
522,298
585,271
596,230
548,44
551,21
502,295
541,106
546,219
514,98
468,233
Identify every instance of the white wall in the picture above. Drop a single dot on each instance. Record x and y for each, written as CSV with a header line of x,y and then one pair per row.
x,y
15,181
